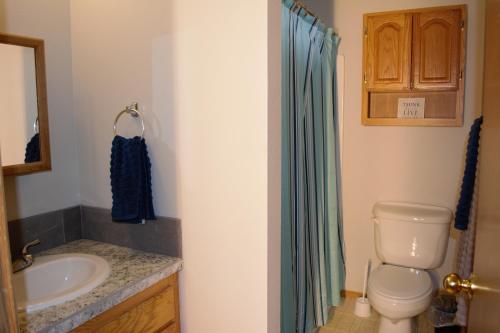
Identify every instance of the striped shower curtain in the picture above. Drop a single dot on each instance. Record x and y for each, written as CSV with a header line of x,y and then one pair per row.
x,y
312,272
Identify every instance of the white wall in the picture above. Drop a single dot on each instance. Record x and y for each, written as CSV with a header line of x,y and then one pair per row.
x,y
396,163
46,191
199,71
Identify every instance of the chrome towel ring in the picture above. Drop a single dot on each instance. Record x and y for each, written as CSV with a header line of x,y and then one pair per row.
x,y
36,125
133,110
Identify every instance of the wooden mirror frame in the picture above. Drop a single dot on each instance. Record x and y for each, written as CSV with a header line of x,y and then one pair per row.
x,y
43,120
8,307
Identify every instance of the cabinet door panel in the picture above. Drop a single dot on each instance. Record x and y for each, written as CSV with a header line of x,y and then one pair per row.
x,y
387,45
436,49
148,317
172,328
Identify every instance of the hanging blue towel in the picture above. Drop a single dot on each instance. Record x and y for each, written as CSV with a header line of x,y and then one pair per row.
x,y
32,153
467,191
131,181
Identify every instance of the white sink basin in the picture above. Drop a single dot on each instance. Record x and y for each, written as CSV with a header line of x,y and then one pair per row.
x,y
56,279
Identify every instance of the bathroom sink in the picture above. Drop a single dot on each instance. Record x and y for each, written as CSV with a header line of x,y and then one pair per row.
x,y
55,279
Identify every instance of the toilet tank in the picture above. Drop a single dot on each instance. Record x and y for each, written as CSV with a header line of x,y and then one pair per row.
x,y
411,235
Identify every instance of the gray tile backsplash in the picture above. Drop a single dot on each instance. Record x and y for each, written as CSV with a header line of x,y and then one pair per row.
x,y
72,222
162,235
62,226
52,229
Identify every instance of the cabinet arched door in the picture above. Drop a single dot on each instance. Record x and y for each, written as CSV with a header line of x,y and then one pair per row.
x,y
387,44
436,49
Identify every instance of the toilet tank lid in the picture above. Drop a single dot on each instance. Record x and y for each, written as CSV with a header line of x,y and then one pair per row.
x,y
411,212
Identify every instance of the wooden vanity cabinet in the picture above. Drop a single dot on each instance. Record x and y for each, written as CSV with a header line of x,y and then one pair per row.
x,y
154,310
417,53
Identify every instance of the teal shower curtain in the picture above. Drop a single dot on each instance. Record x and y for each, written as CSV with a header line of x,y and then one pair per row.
x,y
312,261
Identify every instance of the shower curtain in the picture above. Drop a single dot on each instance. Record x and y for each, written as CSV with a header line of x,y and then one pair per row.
x,y
312,261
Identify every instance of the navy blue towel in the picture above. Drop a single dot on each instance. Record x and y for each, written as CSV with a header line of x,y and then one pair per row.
x,y
467,191
131,181
32,153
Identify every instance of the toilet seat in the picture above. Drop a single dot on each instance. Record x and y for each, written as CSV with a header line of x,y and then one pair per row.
x,y
399,292
400,283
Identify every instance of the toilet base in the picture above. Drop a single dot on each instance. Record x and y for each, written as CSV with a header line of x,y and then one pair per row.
x,y
401,326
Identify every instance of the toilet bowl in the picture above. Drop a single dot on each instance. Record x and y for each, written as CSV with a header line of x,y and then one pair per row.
x,y
399,294
409,239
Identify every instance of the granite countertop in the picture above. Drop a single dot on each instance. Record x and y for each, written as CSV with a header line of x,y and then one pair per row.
x,y
131,272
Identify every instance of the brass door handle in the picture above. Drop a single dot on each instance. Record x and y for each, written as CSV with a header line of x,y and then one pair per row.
x,y
454,284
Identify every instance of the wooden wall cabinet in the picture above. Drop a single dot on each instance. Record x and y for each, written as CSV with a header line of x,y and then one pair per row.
x,y
418,53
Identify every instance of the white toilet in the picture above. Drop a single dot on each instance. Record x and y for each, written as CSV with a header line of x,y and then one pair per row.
x,y
409,238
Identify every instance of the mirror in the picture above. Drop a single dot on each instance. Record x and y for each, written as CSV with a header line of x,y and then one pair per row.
x,y
24,128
